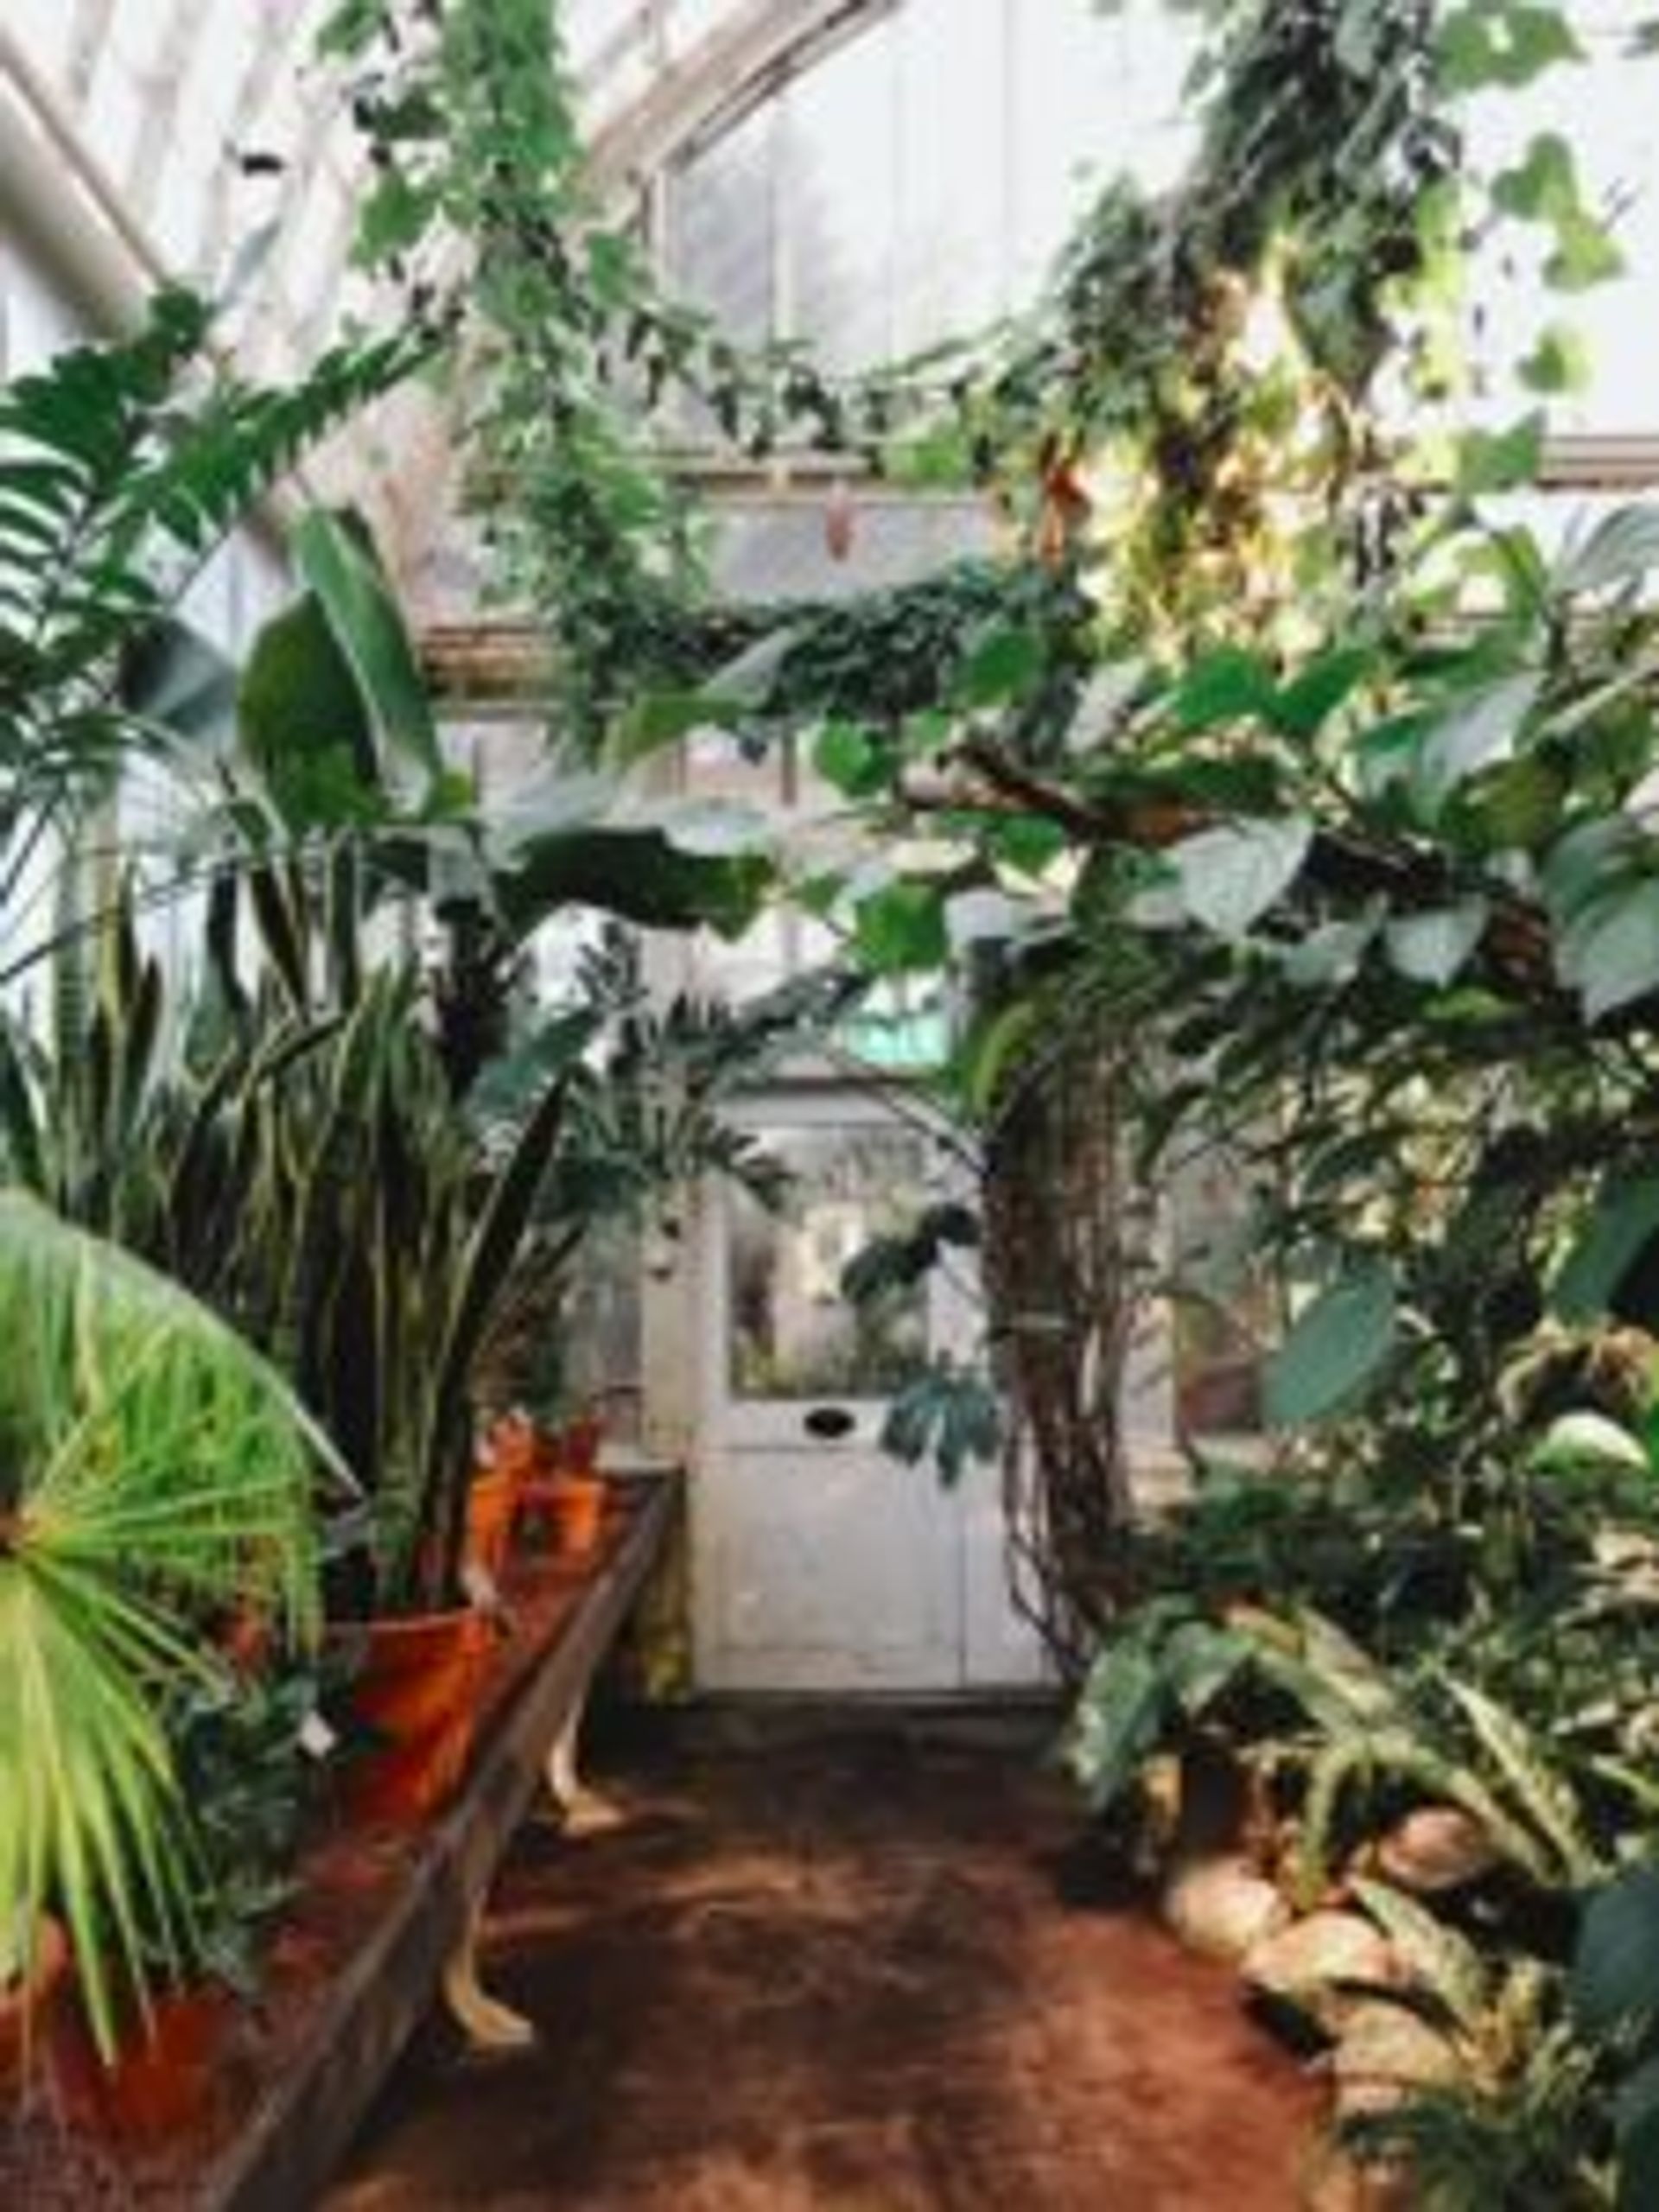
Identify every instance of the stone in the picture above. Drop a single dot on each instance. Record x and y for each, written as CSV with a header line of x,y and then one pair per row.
x,y
1306,1965
1384,2054
1436,1848
1222,1907
1340,2183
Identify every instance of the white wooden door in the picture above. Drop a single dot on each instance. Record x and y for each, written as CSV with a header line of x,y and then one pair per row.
x,y
820,1563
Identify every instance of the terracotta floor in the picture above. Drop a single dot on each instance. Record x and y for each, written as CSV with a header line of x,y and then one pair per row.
x,y
838,1975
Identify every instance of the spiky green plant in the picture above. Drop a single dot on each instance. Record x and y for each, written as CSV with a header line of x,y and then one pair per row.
x,y
153,1471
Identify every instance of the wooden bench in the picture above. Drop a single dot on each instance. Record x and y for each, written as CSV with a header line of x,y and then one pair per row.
x,y
423,1943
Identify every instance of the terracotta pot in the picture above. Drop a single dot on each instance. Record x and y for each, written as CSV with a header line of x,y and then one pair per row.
x,y
26,2008
247,1638
163,2080
515,1444
577,1446
419,1691
492,1504
569,1510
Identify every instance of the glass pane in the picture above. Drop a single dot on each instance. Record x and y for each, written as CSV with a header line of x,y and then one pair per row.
x,y
1227,1310
791,1334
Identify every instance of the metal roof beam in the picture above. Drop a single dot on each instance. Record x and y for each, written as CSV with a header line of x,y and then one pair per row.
x,y
757,46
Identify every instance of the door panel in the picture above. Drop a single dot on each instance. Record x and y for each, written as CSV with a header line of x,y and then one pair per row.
x,y
820,1562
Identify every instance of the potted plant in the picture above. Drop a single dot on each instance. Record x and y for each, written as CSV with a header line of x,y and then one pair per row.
x,y
33,1963
155,1471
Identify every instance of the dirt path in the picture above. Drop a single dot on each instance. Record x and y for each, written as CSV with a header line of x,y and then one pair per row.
x,y
838,1977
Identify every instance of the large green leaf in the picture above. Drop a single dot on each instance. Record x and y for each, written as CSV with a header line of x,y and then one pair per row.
x,y
1339,1345
336,556
175,681
1614,1983
1231,875
1622,1221
638,874
1430,948
484,1274
1609,952
305,725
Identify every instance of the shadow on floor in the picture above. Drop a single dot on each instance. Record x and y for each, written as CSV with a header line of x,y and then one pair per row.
x,y
834,1971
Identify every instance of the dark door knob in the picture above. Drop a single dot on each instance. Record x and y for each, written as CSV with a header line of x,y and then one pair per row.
x,y
830,1422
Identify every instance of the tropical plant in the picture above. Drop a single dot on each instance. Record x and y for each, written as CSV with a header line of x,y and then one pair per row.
x,y
156,1470
123,467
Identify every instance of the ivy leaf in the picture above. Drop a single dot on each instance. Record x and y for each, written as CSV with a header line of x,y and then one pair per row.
x,y
901,929
1586,255
1337,1347
1230,876
1544,188
1476,733
1431,948
1559,362
1507,42
1002,666
848,756
1500,461
393,218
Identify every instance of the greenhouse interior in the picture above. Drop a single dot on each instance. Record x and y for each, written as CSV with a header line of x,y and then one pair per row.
x,y
830,942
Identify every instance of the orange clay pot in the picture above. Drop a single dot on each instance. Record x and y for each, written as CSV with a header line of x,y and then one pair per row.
x,y
492,1504
26,2008
163,2080
569,1510
515,1446
419,1691
576,1448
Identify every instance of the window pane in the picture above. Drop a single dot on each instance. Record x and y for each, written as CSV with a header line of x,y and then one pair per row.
x,y
792,1334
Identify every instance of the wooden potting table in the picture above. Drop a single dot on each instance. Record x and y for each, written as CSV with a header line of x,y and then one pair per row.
x,y
421,1943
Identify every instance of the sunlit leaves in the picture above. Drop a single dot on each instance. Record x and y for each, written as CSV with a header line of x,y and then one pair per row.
x,y
1231,875
1476,732
1545,188
1609,950
1431,947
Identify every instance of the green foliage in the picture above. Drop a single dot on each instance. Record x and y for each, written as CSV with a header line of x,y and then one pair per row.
x,y
949,1414
1158,1677
156,1470
1337,1347
121,470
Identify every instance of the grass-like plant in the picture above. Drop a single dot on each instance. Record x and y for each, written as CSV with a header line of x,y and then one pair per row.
x,y
153,1471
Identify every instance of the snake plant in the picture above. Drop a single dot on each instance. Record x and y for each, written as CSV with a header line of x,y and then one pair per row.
x,y
153,1471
